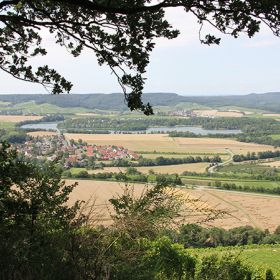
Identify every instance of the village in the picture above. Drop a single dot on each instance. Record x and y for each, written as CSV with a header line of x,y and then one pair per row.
x,y
71,153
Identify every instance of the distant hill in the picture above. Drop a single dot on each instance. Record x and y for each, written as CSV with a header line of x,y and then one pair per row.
x,y
115,101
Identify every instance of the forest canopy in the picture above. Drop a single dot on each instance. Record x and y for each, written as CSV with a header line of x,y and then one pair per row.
x,y
120,33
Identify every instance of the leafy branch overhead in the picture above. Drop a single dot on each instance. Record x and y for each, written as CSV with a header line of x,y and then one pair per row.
x,y
121,33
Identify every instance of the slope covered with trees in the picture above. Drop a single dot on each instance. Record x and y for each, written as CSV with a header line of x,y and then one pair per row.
x,y
122,34
267,101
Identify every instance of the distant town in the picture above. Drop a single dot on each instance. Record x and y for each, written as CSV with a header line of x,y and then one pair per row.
x,y
71,153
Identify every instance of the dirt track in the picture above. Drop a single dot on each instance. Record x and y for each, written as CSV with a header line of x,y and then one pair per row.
x,y
244,208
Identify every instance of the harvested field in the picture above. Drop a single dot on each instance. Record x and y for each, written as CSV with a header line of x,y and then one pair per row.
x,y
257,210
41,133
176,168
215,145
16,119
246,209
216,113
135,142
165,144
165,169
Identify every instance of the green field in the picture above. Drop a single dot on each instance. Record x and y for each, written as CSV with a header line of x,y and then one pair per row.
x,y
244,168
259,256
4,104
275,136
181,106
205,181
7,125
43,109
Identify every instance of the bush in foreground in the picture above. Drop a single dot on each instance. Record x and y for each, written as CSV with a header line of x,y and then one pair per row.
x,y
43,238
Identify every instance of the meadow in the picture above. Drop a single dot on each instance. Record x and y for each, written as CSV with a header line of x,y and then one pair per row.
x,y
7,125
42,109
248,168
206,181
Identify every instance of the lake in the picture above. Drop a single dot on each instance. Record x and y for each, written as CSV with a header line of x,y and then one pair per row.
x,y
43,126
194,129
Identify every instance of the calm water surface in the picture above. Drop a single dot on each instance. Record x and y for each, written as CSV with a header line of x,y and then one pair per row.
x,y
194,129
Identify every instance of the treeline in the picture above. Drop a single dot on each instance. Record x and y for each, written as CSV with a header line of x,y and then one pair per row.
x,y
254,189
196,236
259,138
270,174
48,118
131,175
92,163
256,156
159,161
267,102
188,134
88,131
13,136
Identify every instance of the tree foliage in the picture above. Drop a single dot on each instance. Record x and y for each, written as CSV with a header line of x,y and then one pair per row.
x,y
34,218
121,34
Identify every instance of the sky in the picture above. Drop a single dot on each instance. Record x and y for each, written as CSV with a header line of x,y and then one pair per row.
x,y
182,65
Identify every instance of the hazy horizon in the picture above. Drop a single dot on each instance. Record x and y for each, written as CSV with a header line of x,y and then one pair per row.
x,y
155,92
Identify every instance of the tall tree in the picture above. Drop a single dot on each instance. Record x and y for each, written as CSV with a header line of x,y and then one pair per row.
x,y
121,33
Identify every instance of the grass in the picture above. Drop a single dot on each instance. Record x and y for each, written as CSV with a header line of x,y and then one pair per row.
x,y
246,168
4,104
43,109
205,181
7,125
181,106
259,256
275,136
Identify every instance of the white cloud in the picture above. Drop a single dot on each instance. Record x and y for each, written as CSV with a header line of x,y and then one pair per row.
x,y
187,26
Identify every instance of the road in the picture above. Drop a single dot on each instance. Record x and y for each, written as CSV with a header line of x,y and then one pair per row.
x,y
212,168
